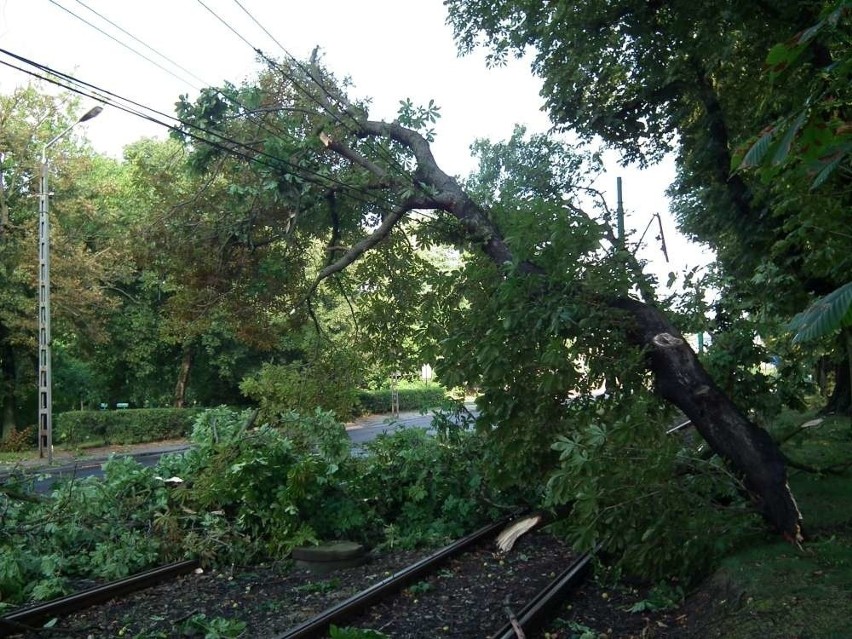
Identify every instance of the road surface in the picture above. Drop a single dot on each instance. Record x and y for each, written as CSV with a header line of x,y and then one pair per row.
x,y
359,431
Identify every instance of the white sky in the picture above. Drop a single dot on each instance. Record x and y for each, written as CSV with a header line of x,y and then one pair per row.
x,y
392,49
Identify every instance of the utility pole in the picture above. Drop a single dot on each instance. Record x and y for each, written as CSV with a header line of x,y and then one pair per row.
x,y
619,215
45,372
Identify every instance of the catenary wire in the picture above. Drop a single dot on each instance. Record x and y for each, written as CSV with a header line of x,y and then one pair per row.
x,y
123,44
393,161
261,124
122,107
276,130
144,44
237,148
388,157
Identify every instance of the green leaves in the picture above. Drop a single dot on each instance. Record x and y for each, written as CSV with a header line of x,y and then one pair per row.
x,y
824,316
815,137
625,483
212,627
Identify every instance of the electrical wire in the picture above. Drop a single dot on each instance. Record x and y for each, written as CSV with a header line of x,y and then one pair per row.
x,y
229,27
277,130
247,112
119,42
264,29
380,151
123,107
144,44
224,143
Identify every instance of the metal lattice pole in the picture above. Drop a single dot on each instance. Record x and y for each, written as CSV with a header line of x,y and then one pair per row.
x,y
45,373
45,399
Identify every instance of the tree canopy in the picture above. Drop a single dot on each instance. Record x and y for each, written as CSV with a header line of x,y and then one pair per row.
x,y
549,287
753,100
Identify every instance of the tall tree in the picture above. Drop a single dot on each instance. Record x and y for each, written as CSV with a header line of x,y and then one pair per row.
x,y
655,77
28,119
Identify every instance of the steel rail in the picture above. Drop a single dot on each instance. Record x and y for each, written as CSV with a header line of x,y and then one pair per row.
x,y
540,607
318,625
25,618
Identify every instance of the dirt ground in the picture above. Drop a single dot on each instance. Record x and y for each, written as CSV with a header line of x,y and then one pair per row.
x,y
466,598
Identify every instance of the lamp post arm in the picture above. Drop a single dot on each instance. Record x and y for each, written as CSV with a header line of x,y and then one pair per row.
x,y
88,115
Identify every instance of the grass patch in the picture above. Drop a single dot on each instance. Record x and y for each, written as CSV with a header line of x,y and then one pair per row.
x,y
31,454
11,458
771,589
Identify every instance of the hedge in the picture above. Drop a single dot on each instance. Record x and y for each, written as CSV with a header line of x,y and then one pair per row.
x,y
139,425
129,426
411,398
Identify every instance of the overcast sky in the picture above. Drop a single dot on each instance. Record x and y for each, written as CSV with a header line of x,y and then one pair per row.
x,y
391,49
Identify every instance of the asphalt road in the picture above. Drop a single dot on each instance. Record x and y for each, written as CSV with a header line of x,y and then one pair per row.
x,y
360,432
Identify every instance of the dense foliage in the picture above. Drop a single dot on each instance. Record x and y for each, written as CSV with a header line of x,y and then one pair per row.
x,y
129,426
762,89
242,493
332,253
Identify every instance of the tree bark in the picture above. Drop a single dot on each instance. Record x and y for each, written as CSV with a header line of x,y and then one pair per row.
x,y
183,377
840,402
8,380
682,380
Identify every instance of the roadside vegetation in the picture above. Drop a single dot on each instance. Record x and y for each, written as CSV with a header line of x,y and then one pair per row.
x,y
81,430
244,494
766,587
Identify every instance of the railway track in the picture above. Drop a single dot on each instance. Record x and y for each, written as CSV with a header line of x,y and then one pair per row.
x,y
522,615
507,623
25,619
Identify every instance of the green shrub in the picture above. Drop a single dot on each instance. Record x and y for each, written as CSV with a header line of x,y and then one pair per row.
x,y
317,432
258,492
328,383
131,426
87,528
425,490
243,493
19,440
659,508
412,396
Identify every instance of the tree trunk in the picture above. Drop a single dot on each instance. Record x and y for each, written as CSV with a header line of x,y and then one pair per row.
x,y
840,402
183,377
8,380
682,380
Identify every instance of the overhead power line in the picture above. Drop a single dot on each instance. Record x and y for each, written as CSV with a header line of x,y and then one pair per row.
x,y
107,98
220,142
144,44
120,43
273,129
392,161
264,29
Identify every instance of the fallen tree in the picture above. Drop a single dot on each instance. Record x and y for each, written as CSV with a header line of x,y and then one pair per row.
x,y
354,181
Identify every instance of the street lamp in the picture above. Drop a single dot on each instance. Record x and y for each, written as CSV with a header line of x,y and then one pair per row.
x,y
45,395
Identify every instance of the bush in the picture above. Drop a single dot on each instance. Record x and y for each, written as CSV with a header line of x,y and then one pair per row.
x,y
423,489
412,396
327,384
131,426
19,440
87,528
253,493
660,509
244,493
